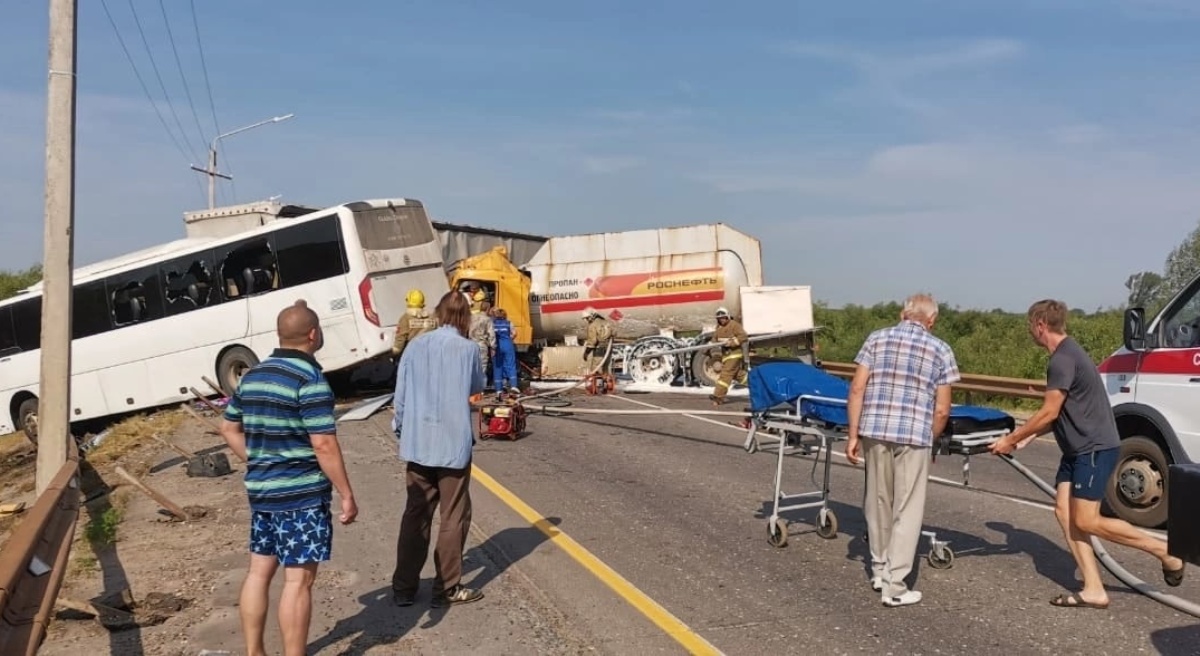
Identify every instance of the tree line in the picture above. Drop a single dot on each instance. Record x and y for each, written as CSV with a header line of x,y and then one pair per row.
x,y
992,342
12,282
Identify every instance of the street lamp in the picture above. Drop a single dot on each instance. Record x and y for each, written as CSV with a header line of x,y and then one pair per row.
x,y
211,171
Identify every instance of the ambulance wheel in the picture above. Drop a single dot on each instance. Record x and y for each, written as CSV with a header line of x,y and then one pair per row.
x,y
777,533
1137,491
829,527
940,558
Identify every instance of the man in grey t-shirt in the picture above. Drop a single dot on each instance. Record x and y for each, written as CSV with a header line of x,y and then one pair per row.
x,y
1076,407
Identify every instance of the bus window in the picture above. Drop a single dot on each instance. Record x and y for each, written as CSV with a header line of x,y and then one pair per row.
x,y
8,334
310,251
187,283
89,313
249,269
135,297
27,323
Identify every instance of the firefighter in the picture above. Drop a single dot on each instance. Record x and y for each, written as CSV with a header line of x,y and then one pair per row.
x,y
732,337
482,332
504,367
414,322
596,345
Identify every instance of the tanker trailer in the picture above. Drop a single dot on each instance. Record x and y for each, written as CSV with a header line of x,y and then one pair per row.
x,y
652,285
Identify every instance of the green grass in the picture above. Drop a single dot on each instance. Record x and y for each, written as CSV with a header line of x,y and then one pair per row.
x,y
102,530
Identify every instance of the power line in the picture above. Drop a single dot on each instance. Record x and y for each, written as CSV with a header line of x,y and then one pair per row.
x,y
212,106
204,66
142,82
183,78
154,66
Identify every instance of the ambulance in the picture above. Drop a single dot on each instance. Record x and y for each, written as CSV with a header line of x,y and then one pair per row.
x,y
1153,385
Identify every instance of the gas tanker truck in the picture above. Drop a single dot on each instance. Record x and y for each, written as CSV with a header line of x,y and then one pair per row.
x,y
659,289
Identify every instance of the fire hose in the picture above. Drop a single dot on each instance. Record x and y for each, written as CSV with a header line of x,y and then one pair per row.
x,y
1124,575
1179,604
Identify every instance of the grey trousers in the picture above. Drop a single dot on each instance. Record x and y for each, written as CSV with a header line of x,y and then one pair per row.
x,y
894,505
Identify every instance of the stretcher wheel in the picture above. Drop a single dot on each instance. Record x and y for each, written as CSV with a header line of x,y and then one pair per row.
x,y
942,558
827,525
777,533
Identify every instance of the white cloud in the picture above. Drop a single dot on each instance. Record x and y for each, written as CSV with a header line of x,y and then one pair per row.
x,y
1082,134
895,67
614,164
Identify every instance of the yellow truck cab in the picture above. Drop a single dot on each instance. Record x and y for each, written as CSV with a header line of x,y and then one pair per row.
x,y
506,286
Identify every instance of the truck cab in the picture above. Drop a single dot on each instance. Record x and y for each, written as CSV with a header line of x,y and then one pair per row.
x,y
1153,385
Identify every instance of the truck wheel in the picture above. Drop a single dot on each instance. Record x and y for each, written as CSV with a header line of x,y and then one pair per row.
x,y
706,368
234,364
27,419
1137,491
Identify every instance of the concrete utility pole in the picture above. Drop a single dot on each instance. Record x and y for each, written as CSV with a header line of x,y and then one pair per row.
x,y
211,170
54,394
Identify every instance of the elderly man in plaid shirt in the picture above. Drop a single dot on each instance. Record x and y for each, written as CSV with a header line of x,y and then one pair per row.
x,y
899,401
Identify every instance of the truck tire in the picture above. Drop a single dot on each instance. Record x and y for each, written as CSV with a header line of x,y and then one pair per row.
x,y
706,368
1137,491
27,419
234,364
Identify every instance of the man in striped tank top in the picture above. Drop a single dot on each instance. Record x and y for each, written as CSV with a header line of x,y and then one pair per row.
x,y
280,421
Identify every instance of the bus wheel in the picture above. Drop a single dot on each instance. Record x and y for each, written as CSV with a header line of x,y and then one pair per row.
x,y
27,419
234,364
1137,491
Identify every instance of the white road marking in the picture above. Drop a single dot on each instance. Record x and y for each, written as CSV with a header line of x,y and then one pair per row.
x,y
945,481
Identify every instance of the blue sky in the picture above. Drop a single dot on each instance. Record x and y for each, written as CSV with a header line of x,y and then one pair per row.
x,y
992,153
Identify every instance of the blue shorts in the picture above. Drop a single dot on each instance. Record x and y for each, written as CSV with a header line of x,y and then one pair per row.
x,y
294,537
1088,473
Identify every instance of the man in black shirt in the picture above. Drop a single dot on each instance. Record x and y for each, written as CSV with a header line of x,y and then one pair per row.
x,y
1076,407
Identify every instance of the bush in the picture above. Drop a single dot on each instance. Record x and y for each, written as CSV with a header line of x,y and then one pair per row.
x,y
991,342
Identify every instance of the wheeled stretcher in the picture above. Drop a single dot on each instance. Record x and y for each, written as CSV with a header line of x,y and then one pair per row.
x,y
799,409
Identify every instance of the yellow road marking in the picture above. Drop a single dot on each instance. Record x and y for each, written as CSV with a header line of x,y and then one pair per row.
x,y
661,617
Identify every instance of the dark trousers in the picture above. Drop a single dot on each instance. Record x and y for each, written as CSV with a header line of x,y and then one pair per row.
x,y
427,487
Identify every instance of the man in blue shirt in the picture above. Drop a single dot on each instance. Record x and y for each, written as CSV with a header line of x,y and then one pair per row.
x,y
504,365
439,373
280,422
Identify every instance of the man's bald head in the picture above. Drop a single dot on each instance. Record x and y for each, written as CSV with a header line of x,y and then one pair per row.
x,y
295,326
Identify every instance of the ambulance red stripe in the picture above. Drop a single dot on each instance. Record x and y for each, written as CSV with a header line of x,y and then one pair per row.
x,y
1165,361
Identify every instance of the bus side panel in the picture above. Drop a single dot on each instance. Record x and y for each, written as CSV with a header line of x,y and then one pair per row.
x,y
173,353
330,299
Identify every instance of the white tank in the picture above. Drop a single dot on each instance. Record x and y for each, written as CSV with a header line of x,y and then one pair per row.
x,y
644,281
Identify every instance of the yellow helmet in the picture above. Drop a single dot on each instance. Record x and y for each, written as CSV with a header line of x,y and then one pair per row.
x,y
416,299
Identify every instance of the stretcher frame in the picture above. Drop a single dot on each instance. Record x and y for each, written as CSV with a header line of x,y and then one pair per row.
x,y
796,434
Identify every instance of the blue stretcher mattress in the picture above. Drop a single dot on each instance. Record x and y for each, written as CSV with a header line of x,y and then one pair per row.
x,y
781,383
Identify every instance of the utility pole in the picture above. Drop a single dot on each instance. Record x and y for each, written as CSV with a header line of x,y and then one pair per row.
x,y
212,174
54,394
211,170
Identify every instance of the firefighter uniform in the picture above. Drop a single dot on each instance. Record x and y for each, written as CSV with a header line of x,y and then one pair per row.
x,y
416,321
483,333
599,335
732,337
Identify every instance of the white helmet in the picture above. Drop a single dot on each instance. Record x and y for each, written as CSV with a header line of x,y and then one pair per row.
x,y
722,312
590,312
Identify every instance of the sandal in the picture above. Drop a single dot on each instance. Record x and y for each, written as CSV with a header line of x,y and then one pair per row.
x,y
1073,600
1174,577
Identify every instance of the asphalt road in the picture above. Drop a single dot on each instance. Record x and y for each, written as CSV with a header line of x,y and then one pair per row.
x,y
677,507
643,534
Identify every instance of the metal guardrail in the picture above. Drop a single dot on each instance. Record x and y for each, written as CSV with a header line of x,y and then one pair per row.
x,y
1022,388
33,562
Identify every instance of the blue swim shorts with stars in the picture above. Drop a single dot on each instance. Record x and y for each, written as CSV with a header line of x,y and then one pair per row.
x,y
294,537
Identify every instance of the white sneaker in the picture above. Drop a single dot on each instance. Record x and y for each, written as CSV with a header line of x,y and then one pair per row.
x,y
877,584
909,598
